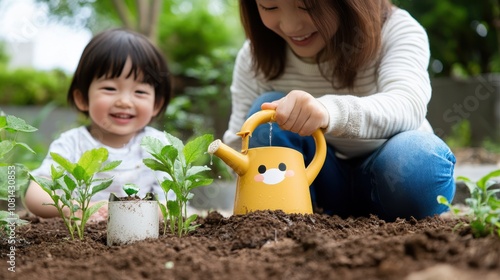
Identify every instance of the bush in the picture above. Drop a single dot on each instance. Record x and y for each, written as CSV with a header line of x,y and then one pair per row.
x,y
26,86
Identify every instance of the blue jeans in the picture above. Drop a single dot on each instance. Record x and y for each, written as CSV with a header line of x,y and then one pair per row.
x,y
402,178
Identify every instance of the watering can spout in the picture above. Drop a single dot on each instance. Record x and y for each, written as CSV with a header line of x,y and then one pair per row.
x,y
237,161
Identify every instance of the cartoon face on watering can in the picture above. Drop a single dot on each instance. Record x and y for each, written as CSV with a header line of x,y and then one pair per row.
x,y
271,178
274,175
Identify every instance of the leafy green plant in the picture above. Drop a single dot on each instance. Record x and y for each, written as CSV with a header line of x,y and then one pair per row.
x,y
483,214
179,162
73,185
25,86
13,177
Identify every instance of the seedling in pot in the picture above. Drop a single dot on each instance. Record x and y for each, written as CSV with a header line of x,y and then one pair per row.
x,y
178,162
131,190
73,185
483,215
131,218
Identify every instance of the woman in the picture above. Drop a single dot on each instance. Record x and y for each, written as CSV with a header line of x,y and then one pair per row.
x,y
357,69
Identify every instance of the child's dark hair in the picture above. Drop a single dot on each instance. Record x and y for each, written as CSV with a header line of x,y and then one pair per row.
x,y
106,54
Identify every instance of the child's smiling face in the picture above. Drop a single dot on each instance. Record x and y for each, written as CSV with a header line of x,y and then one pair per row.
x,y
119,107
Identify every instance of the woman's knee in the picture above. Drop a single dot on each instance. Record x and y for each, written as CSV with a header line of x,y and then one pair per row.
x,y
409,172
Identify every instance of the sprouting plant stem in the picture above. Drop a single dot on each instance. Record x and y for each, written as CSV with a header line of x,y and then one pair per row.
x,y
67,221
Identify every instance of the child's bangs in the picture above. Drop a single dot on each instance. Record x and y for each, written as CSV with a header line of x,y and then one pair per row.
x,y
143,67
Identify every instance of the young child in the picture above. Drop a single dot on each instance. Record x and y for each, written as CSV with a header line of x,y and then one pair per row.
x,y
357,69
121,83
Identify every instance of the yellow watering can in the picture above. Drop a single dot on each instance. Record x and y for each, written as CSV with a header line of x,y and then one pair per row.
x,y
270,178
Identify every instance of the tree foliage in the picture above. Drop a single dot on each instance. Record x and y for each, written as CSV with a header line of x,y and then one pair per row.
x,y
463,34
141,16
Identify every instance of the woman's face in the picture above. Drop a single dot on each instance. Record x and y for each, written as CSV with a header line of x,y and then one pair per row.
x,y
291,20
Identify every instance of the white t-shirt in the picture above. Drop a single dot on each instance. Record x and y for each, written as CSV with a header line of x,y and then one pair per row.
x,y
73,143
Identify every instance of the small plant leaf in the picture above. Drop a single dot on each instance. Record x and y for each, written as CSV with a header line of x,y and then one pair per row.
x,y
176,188
56,172
190,219
169,153
167,185
5,147
482,182
26,147
152,145
163,209
155,165
196,148
61,186
193,170
442,200
174,141
110,166
92,160
179,171
70,183
44,183
63,162
3,121
17,124
80,173
173,208
92,209
462,178
102,186
200,182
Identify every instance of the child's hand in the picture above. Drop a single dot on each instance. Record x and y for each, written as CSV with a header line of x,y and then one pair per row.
x,y
100,215
299,112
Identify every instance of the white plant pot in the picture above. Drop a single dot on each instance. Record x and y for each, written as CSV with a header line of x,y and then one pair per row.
x,y
130,221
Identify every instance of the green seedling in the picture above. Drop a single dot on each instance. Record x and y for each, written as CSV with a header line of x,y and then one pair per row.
x,y
73,185
483,215
130,189
178,162
13,177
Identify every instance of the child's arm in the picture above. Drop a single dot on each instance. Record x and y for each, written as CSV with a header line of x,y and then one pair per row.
x,y
35,199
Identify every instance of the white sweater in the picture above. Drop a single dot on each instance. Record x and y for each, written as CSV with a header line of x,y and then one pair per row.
x,y
389,96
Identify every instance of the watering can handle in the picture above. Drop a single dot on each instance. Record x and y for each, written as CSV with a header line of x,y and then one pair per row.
x,y
266,116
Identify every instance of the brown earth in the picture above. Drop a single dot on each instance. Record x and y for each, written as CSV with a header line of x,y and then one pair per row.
x,y
260,245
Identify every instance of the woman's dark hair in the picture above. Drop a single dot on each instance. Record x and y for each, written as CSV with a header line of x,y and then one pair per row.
x,y
105,56
356,43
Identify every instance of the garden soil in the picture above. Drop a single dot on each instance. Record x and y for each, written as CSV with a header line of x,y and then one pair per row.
x,y
260,245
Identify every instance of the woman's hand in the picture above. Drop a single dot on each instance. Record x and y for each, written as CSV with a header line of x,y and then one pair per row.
x,y
299,112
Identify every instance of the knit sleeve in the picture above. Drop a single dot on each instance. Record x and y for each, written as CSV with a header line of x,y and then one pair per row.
x,y
403,87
